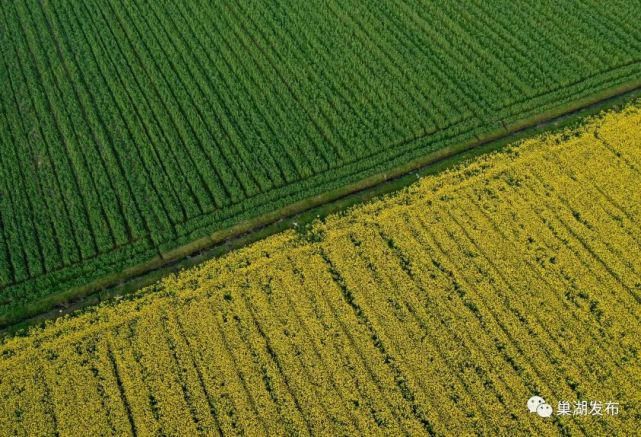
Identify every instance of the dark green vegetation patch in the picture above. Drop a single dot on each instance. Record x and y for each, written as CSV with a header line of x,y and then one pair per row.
x,y
130,128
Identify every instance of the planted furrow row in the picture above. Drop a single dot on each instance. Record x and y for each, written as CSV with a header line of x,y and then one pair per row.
x,y
100,193
135,389
502,278
462,375
524,357
247,81
401,355
431,45
139,162
340,398
280,382
597,59
596,28
356,85
441,297
443,96
13,217
256,39
622,40
473,281
371,338
67,159
252,79
6,269
116,187
345,97
157,118
427,15
212,359
223,151
355,346
36,162
30,414
553,333
272,392
177,334
578,64
395,46
456,68
357,393
77,405
594,220
299,374
238,32
478,48
623,18
260,366
544,266
205,87
116,403
563,222
195,393
173,91
412,102
618,216
183,119
536,72
109,126
176,409
147,136
569,265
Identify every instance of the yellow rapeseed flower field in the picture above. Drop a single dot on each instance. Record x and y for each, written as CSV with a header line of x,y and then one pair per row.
x,y
439,310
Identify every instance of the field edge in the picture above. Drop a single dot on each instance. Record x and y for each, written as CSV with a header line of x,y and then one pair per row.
x,y
250,230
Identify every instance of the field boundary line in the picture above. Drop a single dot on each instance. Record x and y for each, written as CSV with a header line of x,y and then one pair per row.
x,y
220,241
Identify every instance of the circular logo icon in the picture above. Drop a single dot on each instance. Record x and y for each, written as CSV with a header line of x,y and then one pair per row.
x,y
544,410
534,402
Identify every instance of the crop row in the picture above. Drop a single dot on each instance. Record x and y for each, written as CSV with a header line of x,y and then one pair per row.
x,y
441,309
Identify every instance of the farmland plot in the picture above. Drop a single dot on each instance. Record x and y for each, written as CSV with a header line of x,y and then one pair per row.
x,y
131,128
441,309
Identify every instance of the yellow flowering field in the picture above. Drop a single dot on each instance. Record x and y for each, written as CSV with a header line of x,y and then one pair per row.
x,y
439,310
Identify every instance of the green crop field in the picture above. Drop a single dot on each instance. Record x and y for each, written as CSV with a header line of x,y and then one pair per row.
x,y
129,129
